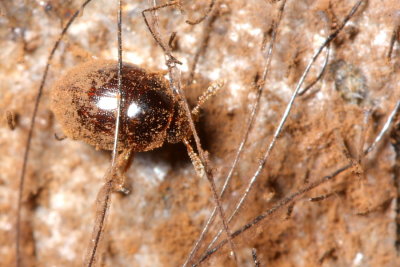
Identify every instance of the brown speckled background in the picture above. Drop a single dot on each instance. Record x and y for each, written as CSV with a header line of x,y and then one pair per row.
x,y
158,222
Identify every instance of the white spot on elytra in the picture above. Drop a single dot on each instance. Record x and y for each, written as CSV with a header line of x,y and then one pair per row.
x,y
107,102
133,110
